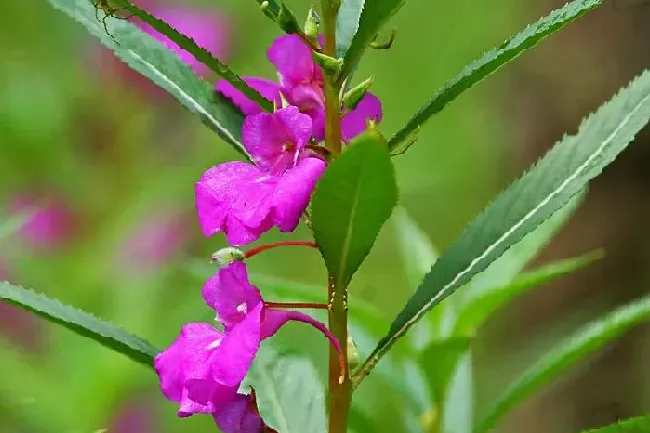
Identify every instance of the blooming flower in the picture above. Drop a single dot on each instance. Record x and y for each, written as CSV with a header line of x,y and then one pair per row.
x,y
203,369
48,222
301,84
245,200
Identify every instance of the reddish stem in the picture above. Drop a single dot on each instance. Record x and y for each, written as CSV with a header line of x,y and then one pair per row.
x,y
287,305
254,251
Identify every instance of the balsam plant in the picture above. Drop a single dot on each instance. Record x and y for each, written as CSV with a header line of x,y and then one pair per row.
x,y
316,154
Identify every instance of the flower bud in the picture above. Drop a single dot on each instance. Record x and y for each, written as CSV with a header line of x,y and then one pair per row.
x,y
355,94
331,65
226,256
353,354
312,24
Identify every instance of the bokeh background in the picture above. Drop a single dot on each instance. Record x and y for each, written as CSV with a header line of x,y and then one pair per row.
x,y
110,164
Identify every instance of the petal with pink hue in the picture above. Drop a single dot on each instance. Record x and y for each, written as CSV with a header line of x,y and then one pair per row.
x,y
274,141
355,122
239,416
230,294
235,198
187,361
267,89
293,192
203,368
293,60
310,100
48,222
205,26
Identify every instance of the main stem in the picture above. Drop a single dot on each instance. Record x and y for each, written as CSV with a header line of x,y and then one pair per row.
x,y
332,88
340,388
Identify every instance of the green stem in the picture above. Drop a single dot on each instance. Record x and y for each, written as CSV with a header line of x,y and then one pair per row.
x,y
340,387
332,88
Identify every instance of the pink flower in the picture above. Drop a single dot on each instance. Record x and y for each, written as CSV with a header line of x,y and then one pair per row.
x,y
240,416
232,296
49,220
244,200
152,242
203,369
301,84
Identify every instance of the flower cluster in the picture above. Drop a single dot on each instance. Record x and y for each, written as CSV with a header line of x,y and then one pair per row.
x,y
204,368
301,84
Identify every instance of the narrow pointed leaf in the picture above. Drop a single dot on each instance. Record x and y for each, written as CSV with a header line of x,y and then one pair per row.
x,y
527,203
565,355
150,58
347,24
493,60
375,14
640,424
290,396
201,54
500,273
352,201
473,314
82,323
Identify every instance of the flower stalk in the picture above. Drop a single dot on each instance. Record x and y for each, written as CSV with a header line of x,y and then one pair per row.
x,y
340,387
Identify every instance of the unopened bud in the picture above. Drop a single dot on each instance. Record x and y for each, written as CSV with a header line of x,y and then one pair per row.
x,y
331,65
428,419
226,256
353,354
312,24
355,94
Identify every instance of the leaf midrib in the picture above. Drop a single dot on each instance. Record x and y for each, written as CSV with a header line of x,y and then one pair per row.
x,y
377,355
348,236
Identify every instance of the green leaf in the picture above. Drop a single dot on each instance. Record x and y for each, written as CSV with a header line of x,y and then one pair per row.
x,y
440,360
527,203
500,273
352,201
290,396
417,252
565,355
150,58
201,54
493,60
347,24
80,322
640,424
473,314
375,14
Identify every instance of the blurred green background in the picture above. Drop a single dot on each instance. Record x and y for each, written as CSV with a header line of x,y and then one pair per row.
x,y
116,163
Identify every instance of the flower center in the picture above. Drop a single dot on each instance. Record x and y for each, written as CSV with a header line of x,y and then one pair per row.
x,y
289,147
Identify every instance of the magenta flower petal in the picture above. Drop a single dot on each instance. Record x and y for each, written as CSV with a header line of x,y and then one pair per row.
x,y
238,349
230,294
293,192
203,368
267,89
274,141
355,122
187,361
239,416
235,198
293,60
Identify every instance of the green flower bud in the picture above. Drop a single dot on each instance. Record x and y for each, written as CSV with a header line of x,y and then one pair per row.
x,y
226,256
355,94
